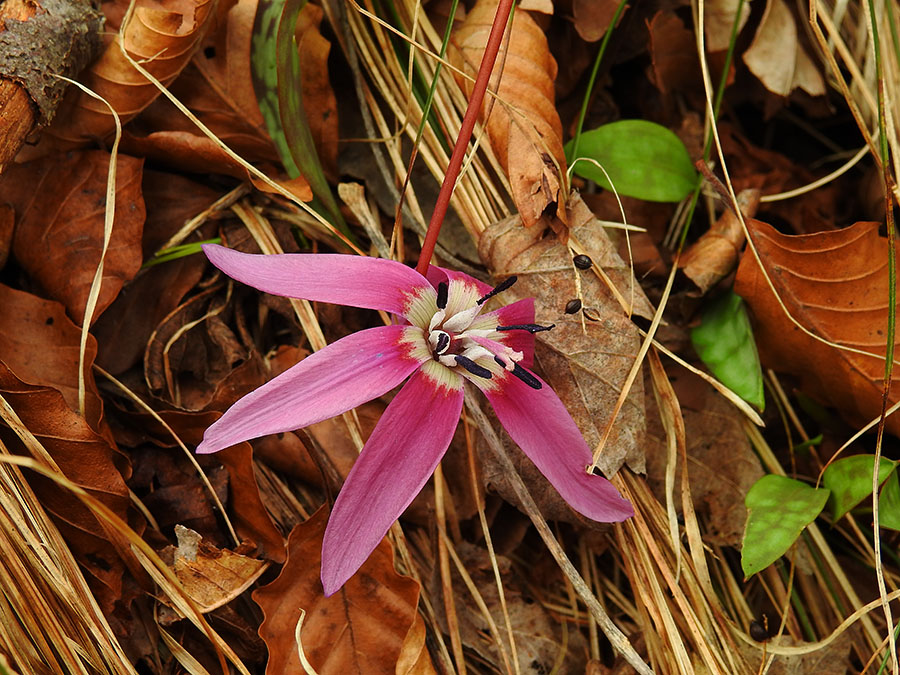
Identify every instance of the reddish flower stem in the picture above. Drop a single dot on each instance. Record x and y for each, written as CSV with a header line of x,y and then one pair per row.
x,y
465,133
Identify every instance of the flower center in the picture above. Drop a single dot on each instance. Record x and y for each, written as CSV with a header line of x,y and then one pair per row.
x,y
461,339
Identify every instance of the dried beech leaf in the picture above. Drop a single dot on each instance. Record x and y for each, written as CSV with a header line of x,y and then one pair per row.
x,y
212,577
715,254
836,285
162,40
718,20
40,344
593,17
585,365
360,629
776,56
87,459
524,127
60,210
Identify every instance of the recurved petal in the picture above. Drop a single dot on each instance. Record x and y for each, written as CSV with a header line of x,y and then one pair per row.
x,y
357,281
343,375
397,460
520,312
540,424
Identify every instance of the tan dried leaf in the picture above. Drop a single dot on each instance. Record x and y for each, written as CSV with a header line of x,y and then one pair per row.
x,y
524,128
718,20
162,37
715,254
585,361
776,56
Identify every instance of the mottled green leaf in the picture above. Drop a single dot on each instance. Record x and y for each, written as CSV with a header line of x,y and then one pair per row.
x,y
889,503
780,508
643,160
850,481
724,341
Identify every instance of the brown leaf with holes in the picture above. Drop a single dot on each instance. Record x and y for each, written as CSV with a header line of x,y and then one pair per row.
x,y
835,284
524,127
60,203
585,360
715,254
162,38
211,577
360,629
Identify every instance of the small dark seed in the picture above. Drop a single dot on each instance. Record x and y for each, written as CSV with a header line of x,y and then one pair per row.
x,y
573,306
758,632
582,262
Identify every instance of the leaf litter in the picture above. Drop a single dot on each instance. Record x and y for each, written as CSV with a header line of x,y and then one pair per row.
x,y
186,343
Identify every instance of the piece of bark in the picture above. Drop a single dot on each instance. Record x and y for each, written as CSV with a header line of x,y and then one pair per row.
x,y
68,32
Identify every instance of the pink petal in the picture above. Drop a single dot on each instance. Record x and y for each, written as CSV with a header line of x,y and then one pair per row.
x,y
540,424
370,283
343,375
437,274
396,462
517,313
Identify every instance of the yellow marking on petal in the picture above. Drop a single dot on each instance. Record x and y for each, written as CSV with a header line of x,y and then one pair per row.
x,y
461,295
416,344
442,376
421,305
498,374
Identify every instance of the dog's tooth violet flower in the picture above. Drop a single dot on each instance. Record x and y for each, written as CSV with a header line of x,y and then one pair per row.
x,y
446,338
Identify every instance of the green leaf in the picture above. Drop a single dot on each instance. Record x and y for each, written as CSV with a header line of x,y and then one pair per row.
x,y
724,341
643,160
889,503
275,67
780,508
850,481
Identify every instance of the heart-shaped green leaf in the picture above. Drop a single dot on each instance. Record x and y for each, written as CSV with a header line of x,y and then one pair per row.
x,y
724,340
643,160
850,481
780,508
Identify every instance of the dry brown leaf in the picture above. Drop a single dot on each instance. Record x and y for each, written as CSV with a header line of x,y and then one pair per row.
x,y
776,56
211,577
60,203
674,56
40,344
836,285
715,254
536,633
721,463
592,18
586,366
524,127
360,629
87,459
718,20
160,36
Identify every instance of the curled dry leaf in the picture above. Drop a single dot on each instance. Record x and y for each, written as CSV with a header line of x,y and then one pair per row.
x,y
211,576
592,18
718,20
524,128
835,284
585,363
60,206
673,53
360,629
776,56
162,40
715,254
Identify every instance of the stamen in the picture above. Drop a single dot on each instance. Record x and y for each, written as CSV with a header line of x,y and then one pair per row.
x,y
443,343
473,367
442,291
499,288
530,327
526,377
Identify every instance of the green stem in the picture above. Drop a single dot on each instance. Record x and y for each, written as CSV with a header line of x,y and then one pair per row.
x,y
465,133
590,88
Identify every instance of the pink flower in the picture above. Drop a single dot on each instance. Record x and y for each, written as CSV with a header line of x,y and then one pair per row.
x,y
444,340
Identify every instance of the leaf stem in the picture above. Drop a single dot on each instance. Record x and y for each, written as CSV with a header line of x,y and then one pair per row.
x,y
465,133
